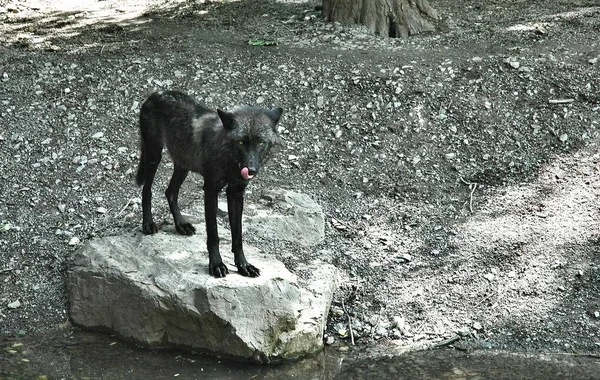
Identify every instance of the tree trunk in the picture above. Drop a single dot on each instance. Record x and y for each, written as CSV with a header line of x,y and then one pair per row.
x,y
392,18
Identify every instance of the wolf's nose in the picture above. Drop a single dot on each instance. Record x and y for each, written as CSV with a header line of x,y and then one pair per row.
x,y
252,170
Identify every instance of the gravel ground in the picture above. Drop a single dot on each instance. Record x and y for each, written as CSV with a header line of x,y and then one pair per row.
x,y
458,170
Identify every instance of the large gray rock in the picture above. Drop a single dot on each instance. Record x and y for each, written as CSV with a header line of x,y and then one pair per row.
x,y
286,215
157,291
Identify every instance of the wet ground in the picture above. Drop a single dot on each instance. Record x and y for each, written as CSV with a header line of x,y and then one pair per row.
x,y
84,355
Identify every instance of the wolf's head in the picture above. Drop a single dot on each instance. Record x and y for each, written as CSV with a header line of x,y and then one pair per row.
x,y
252,132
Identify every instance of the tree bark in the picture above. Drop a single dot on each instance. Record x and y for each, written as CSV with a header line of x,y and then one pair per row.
x,y
392,18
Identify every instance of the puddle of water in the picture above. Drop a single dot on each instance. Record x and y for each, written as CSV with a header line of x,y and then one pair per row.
x,y
85,355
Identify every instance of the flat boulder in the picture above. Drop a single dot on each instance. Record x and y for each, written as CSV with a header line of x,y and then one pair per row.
x,y
156,291
286,215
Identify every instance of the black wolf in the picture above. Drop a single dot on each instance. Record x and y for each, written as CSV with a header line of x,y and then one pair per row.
x,y
226,147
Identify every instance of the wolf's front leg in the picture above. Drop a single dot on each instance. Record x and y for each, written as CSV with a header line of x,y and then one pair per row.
x,y
215,263
235,207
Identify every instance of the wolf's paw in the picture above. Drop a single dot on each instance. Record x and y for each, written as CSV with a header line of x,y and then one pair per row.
x,y
248,270
185,228
149,228
218,270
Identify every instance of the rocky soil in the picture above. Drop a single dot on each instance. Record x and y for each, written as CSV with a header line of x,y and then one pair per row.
x,y
459,171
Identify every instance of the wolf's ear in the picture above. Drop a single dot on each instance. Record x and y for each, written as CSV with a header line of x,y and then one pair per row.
x,y
275,114
227,119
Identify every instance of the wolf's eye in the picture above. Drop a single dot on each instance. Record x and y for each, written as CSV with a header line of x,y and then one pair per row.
x,y
261,143
241,142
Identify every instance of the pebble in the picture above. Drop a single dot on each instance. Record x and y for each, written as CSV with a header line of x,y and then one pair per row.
x,y
74,241
14,305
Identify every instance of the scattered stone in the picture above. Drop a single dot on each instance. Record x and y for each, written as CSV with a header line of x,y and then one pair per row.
x,y
341,329
320,101
74,241
98,135
14,305
464,331
477,326
450,156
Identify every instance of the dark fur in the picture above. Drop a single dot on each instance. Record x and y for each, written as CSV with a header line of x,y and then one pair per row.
x,y
215,144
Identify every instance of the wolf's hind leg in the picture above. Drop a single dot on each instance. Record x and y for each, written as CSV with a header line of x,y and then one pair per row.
x,y
172,194
151,159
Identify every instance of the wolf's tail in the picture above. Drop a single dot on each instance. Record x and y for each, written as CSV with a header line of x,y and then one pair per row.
x,y
139,177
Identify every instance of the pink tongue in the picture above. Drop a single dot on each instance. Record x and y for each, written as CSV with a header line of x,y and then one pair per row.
x,y
245,174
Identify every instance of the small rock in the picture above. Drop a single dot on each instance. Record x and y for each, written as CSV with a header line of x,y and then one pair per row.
x,y
320,101
564,137
477,326
14,305
98,135
329,340
260,100
514,64
464,331
381,331
398,322
374,320
489,276
593,61
74,241
450,156
341,329
101,210
336,311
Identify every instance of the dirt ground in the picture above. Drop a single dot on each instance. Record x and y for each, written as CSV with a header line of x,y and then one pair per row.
x,y
459,171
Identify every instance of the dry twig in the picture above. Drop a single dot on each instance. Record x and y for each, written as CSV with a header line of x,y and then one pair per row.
x,y
444,343
124,208
349,322
472,187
